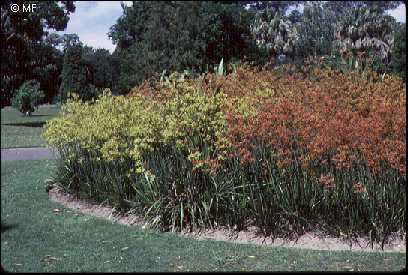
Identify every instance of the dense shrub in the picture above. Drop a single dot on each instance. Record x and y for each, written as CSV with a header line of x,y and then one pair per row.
x,y
27,97
283,153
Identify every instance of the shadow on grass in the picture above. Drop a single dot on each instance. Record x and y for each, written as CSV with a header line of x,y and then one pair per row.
x,y
27,124
36,115
7,227
4,228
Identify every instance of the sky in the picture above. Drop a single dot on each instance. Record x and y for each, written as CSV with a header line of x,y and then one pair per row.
x,y
399,13
92,20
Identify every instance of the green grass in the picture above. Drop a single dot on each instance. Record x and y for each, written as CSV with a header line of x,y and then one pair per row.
x,y
84,243
18,130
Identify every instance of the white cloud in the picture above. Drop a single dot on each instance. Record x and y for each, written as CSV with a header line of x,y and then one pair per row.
x,y
399,13
92,20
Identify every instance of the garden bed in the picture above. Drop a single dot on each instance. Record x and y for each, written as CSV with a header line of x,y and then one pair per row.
x,y
279,152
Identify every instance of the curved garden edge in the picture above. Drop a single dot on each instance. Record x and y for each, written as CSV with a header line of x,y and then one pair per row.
x,y
310,240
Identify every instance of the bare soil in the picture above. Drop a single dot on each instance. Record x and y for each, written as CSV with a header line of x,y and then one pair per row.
x,y
310,240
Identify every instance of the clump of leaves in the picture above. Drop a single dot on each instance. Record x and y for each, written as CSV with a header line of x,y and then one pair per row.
x,y
27,97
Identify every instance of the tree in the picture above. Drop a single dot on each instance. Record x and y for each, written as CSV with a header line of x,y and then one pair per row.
x,y
363,29
365,32
99,62
131,26
177,35
339,8
21,33
46,62
69,39
315,29
399,51
272,6
27,97
273,31
229,37
86,71
75,75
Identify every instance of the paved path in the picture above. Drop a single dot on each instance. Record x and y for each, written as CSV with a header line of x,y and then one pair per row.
x,y
28,154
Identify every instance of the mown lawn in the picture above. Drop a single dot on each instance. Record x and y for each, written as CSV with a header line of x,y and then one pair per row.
x,y
18,130
41,240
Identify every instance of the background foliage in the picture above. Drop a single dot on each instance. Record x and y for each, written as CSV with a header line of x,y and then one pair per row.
x,y
26,53
175,36
157,38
